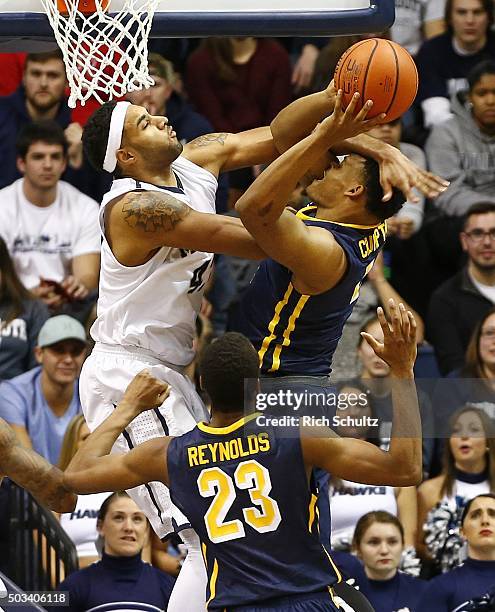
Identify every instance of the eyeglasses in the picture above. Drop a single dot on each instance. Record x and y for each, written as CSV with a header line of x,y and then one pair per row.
x,y
477,235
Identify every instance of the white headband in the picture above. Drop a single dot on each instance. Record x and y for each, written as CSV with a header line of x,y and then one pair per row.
x,y
115,136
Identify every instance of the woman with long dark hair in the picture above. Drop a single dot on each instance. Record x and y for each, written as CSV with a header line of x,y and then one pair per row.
x,y
468,470
21,317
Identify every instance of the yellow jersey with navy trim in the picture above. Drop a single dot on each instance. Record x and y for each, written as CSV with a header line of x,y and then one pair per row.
x,y
297,334
258,525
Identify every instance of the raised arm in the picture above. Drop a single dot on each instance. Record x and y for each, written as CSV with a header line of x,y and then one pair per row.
x,y
94,470
32,472
318,262
223,151
361,461
297,120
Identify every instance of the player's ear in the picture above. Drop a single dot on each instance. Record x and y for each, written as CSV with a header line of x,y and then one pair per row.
x,y
38,353
355,192
463,239
125,157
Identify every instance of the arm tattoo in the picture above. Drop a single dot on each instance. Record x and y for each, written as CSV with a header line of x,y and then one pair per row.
x,y
153,211
32,472
208,139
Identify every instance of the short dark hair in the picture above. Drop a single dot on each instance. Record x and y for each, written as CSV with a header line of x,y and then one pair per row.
x,y
224,366
487,8
46,56
95,135
480,208
475,74
374,205
48,132
470,503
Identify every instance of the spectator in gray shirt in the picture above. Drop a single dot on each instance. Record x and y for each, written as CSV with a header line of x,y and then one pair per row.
x,y
462,149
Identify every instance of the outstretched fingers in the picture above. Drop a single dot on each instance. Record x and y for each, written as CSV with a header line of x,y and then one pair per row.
x,y
373,342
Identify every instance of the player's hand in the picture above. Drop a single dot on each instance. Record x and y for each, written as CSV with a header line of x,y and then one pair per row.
x,y
343,124
399,346
396,170
73,135
145,392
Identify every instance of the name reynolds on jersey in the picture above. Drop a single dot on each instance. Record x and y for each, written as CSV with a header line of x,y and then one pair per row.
x,y
266,420
215,452
374,241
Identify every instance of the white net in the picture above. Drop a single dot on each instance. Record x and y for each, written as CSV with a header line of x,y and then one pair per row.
x,y
105,52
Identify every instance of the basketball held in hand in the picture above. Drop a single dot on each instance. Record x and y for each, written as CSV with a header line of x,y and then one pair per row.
x,y
380,70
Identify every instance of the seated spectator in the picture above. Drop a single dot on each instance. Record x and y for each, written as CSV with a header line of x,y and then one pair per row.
x,y
416,22
350,500
375,291
239,84
41,97
80,524
445,61
470,587
51,229
162,99
41,403
121,579
468,470
461,148
379,543
473,383
461,301
21,318
410,217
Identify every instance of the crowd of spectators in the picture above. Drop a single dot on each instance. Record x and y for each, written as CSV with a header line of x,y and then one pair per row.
x,y
439,260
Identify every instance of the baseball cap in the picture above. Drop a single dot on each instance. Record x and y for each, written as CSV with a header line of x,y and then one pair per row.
x,y
61,327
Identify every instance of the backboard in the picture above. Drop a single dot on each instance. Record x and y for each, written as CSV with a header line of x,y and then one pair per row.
x,y
174,18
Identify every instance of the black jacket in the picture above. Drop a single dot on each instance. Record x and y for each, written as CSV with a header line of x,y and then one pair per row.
x,y
455,308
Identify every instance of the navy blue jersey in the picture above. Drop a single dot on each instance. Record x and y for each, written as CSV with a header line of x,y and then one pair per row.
x,y
295,333
468,588
246,493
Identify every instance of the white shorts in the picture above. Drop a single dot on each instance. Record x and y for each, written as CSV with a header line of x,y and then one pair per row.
x,y
104,378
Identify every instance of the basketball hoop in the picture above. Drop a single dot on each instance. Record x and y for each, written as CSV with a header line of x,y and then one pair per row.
x,y
105,54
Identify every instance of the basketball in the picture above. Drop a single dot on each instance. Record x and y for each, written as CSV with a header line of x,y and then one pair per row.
x,y
86,7
380,70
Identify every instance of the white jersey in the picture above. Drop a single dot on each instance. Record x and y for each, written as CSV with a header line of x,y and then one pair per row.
x,y
349,501
80,525
154,306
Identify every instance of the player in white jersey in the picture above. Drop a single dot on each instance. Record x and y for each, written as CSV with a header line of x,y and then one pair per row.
x,y
158,232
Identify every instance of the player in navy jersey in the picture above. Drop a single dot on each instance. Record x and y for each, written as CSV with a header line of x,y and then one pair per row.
x,y
246,489
296,306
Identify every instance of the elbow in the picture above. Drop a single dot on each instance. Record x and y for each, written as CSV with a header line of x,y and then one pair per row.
x,y
410,476
67,503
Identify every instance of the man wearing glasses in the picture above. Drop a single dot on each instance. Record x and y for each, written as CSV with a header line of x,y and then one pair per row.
x,y
461,301
40,403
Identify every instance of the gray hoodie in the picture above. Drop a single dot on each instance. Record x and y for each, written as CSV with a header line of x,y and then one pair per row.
x,y
459,151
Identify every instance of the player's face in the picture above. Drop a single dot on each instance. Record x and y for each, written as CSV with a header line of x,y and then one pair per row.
x,y
381,549
337,179
43,165
154,98
478,240
44,83
469,21
487,342
353,405
150,138
388,132
468,440
62,362
373,366
482,98
124,528
479,525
